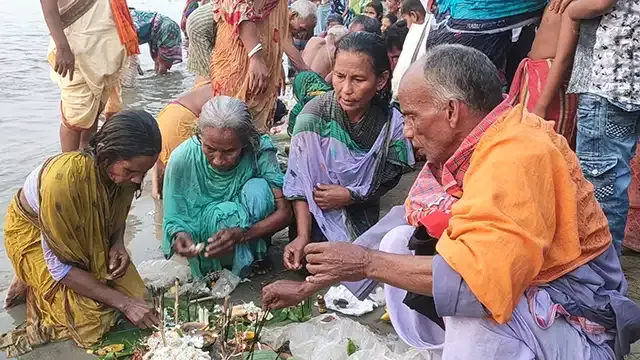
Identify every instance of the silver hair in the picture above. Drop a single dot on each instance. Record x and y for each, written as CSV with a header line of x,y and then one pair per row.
x,y
458,72
304,9
336,33
225,112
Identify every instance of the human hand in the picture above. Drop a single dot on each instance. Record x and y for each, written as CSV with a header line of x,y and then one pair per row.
x,y
559,6
223,242
119,260
330,262
294,252
329,197
282,294
140,313
65,62
258,74
184,246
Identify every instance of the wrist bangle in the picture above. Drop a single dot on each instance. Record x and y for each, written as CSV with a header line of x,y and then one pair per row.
x,y
255,50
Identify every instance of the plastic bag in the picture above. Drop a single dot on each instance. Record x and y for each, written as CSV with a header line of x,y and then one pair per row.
x,y
327,337
130,72
354,306
162,274
226,283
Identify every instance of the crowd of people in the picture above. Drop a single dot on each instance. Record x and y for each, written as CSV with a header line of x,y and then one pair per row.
x,y
507,247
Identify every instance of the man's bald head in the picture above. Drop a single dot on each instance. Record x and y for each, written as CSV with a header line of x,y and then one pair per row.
x,y
444,95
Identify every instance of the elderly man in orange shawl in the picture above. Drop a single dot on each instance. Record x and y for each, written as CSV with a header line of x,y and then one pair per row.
x,y
90,43
503,252
246,62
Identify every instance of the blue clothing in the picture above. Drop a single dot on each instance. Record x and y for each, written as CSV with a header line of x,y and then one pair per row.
x,y
488,9
321,15
533,332
605,144
595,291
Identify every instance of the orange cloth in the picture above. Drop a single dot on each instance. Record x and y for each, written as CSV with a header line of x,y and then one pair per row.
x,y
527,215
126,28
177,123
229,66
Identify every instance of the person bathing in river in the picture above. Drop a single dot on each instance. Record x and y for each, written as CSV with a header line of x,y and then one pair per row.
x,y
223,190
163,36
525,265
177,123
90,42
64,234
347,149
247,58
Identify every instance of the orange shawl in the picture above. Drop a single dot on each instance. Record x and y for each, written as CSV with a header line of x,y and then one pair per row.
x,y
126,28
527,215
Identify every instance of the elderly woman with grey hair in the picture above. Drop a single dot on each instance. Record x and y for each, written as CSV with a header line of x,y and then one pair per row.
x,y
223,193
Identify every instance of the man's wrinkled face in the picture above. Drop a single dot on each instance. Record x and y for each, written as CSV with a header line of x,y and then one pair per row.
x,y
427,123
301,28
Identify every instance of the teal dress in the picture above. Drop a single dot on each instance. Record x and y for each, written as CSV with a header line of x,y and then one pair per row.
x,y
201,201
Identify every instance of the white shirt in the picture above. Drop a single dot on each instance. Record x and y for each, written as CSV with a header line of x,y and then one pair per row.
x,y
411,44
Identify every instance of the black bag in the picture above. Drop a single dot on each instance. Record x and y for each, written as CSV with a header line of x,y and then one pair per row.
x,y
423,244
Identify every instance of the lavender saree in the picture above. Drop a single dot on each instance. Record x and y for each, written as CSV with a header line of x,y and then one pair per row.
x,y
368,158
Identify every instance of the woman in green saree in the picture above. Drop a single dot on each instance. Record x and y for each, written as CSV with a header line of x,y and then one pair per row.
x,y
223,189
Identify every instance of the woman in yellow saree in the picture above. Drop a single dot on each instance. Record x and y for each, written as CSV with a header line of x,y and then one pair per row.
x,y
64,235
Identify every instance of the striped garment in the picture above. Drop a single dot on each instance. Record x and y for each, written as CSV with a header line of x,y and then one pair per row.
x,y
526,88
427,193
201,31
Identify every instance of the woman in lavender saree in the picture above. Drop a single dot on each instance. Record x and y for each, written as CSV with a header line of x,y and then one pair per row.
x,y
347,149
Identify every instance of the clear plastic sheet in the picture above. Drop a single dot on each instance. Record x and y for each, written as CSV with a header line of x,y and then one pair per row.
x,y
224,286
162,274
326,337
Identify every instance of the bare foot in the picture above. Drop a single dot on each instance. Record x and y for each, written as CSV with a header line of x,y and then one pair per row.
x,y
17,293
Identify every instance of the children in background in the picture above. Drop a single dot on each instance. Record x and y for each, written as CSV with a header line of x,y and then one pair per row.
x,y
541,81
374,10
387,21
413,12
394,39
332,20
605,75
393,7
366,24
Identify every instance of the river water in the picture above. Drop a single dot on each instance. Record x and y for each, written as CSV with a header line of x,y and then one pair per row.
x,y
30,118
